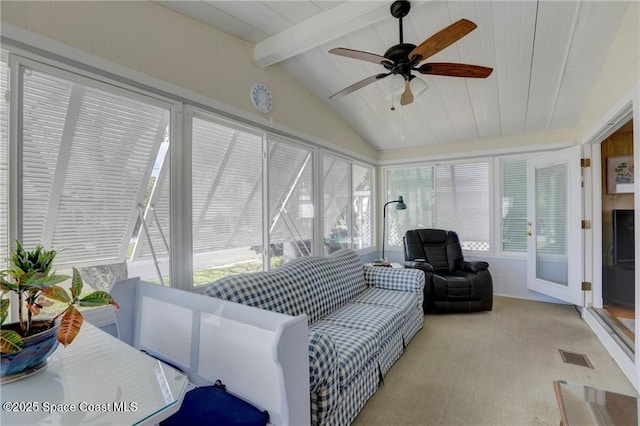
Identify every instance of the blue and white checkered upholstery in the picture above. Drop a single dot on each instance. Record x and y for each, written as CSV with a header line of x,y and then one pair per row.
x,y
354,349
312,285
360,318
381,321
405,302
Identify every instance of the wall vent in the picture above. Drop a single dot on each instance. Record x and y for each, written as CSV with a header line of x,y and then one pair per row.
x,y
575,358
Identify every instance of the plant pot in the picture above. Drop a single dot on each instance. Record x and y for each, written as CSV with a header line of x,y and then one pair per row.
x,y
33,357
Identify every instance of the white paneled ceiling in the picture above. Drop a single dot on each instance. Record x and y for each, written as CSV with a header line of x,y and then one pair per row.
x,y
546,57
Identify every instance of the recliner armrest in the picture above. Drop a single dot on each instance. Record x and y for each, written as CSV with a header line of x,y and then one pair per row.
x,y
418,265
475,266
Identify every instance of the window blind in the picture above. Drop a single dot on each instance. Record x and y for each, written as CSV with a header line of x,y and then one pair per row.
x,y
337,200
416,185
226,187
362,228
4,163
514,205
462,202
551,208
87,158
290,199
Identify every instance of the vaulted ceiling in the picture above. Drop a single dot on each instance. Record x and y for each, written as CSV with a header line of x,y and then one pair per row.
x,y
546,57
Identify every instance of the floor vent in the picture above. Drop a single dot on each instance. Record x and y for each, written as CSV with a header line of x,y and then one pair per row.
x,y
576,359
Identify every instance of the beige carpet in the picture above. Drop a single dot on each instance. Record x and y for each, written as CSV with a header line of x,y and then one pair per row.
x,y
491,368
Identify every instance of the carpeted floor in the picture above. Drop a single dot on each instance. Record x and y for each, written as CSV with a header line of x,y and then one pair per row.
x,y
491,368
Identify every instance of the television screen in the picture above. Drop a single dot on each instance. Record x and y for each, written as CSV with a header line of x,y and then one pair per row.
x,y
623,239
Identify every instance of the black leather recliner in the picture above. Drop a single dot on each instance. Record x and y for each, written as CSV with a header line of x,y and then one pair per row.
x,y
452,284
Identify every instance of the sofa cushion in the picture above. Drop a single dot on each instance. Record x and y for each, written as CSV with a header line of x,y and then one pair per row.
x,y
402,300
355,349
382,321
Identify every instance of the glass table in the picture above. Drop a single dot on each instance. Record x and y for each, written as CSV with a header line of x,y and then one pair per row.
x,y
584,405
96,380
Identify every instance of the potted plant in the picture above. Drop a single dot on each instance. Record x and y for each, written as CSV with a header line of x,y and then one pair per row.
x,y
26,344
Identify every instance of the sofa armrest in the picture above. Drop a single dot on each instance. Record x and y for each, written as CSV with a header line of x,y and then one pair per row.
x,y
418,265
402,279
475,266
323,375
322,360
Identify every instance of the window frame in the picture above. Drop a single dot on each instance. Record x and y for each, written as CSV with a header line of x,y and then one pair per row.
x,y
350,162
19,64
490,161
180,102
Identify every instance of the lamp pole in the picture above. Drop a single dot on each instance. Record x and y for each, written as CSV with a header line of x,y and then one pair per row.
x,y
401,206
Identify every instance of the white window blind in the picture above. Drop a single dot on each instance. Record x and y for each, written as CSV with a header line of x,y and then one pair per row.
x,y
87,158
416,187
153,237
226,197
4,163
336,203
446,196
514,205
227,186
362,229
462,202
290,200
551,210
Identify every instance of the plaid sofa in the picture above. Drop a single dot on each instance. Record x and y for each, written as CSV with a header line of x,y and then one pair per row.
x,y
360,320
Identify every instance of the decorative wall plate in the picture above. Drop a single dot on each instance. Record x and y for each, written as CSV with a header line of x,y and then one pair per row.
x,y
261,98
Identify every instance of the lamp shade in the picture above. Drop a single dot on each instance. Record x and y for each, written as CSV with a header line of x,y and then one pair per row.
x,y
418,86
397,84
400,205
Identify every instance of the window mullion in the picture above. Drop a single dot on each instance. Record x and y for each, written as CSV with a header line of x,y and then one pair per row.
x,y
180,200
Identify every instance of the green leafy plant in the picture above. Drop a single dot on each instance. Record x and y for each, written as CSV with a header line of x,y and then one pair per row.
x,y
30,277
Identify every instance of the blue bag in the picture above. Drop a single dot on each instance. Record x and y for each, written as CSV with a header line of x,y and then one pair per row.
x,y
213,405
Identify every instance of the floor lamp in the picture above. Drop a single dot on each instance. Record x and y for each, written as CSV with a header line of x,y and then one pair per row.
x,y
400,206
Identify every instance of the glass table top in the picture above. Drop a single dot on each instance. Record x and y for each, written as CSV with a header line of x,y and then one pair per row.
x,y
96,380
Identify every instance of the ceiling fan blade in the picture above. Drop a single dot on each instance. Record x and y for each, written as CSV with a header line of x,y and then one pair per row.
x,y
359,85
407,96
443,38
357,54
455,70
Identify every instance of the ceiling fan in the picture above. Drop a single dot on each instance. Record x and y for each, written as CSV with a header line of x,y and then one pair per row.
x,y
403,58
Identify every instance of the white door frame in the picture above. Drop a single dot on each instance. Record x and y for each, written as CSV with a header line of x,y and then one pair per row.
x,y
627,108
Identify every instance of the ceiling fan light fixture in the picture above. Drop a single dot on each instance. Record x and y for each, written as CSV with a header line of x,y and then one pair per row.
x,y
397,84
418,86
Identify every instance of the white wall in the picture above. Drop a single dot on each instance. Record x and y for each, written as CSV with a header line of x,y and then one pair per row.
x,y
620,74
163,44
